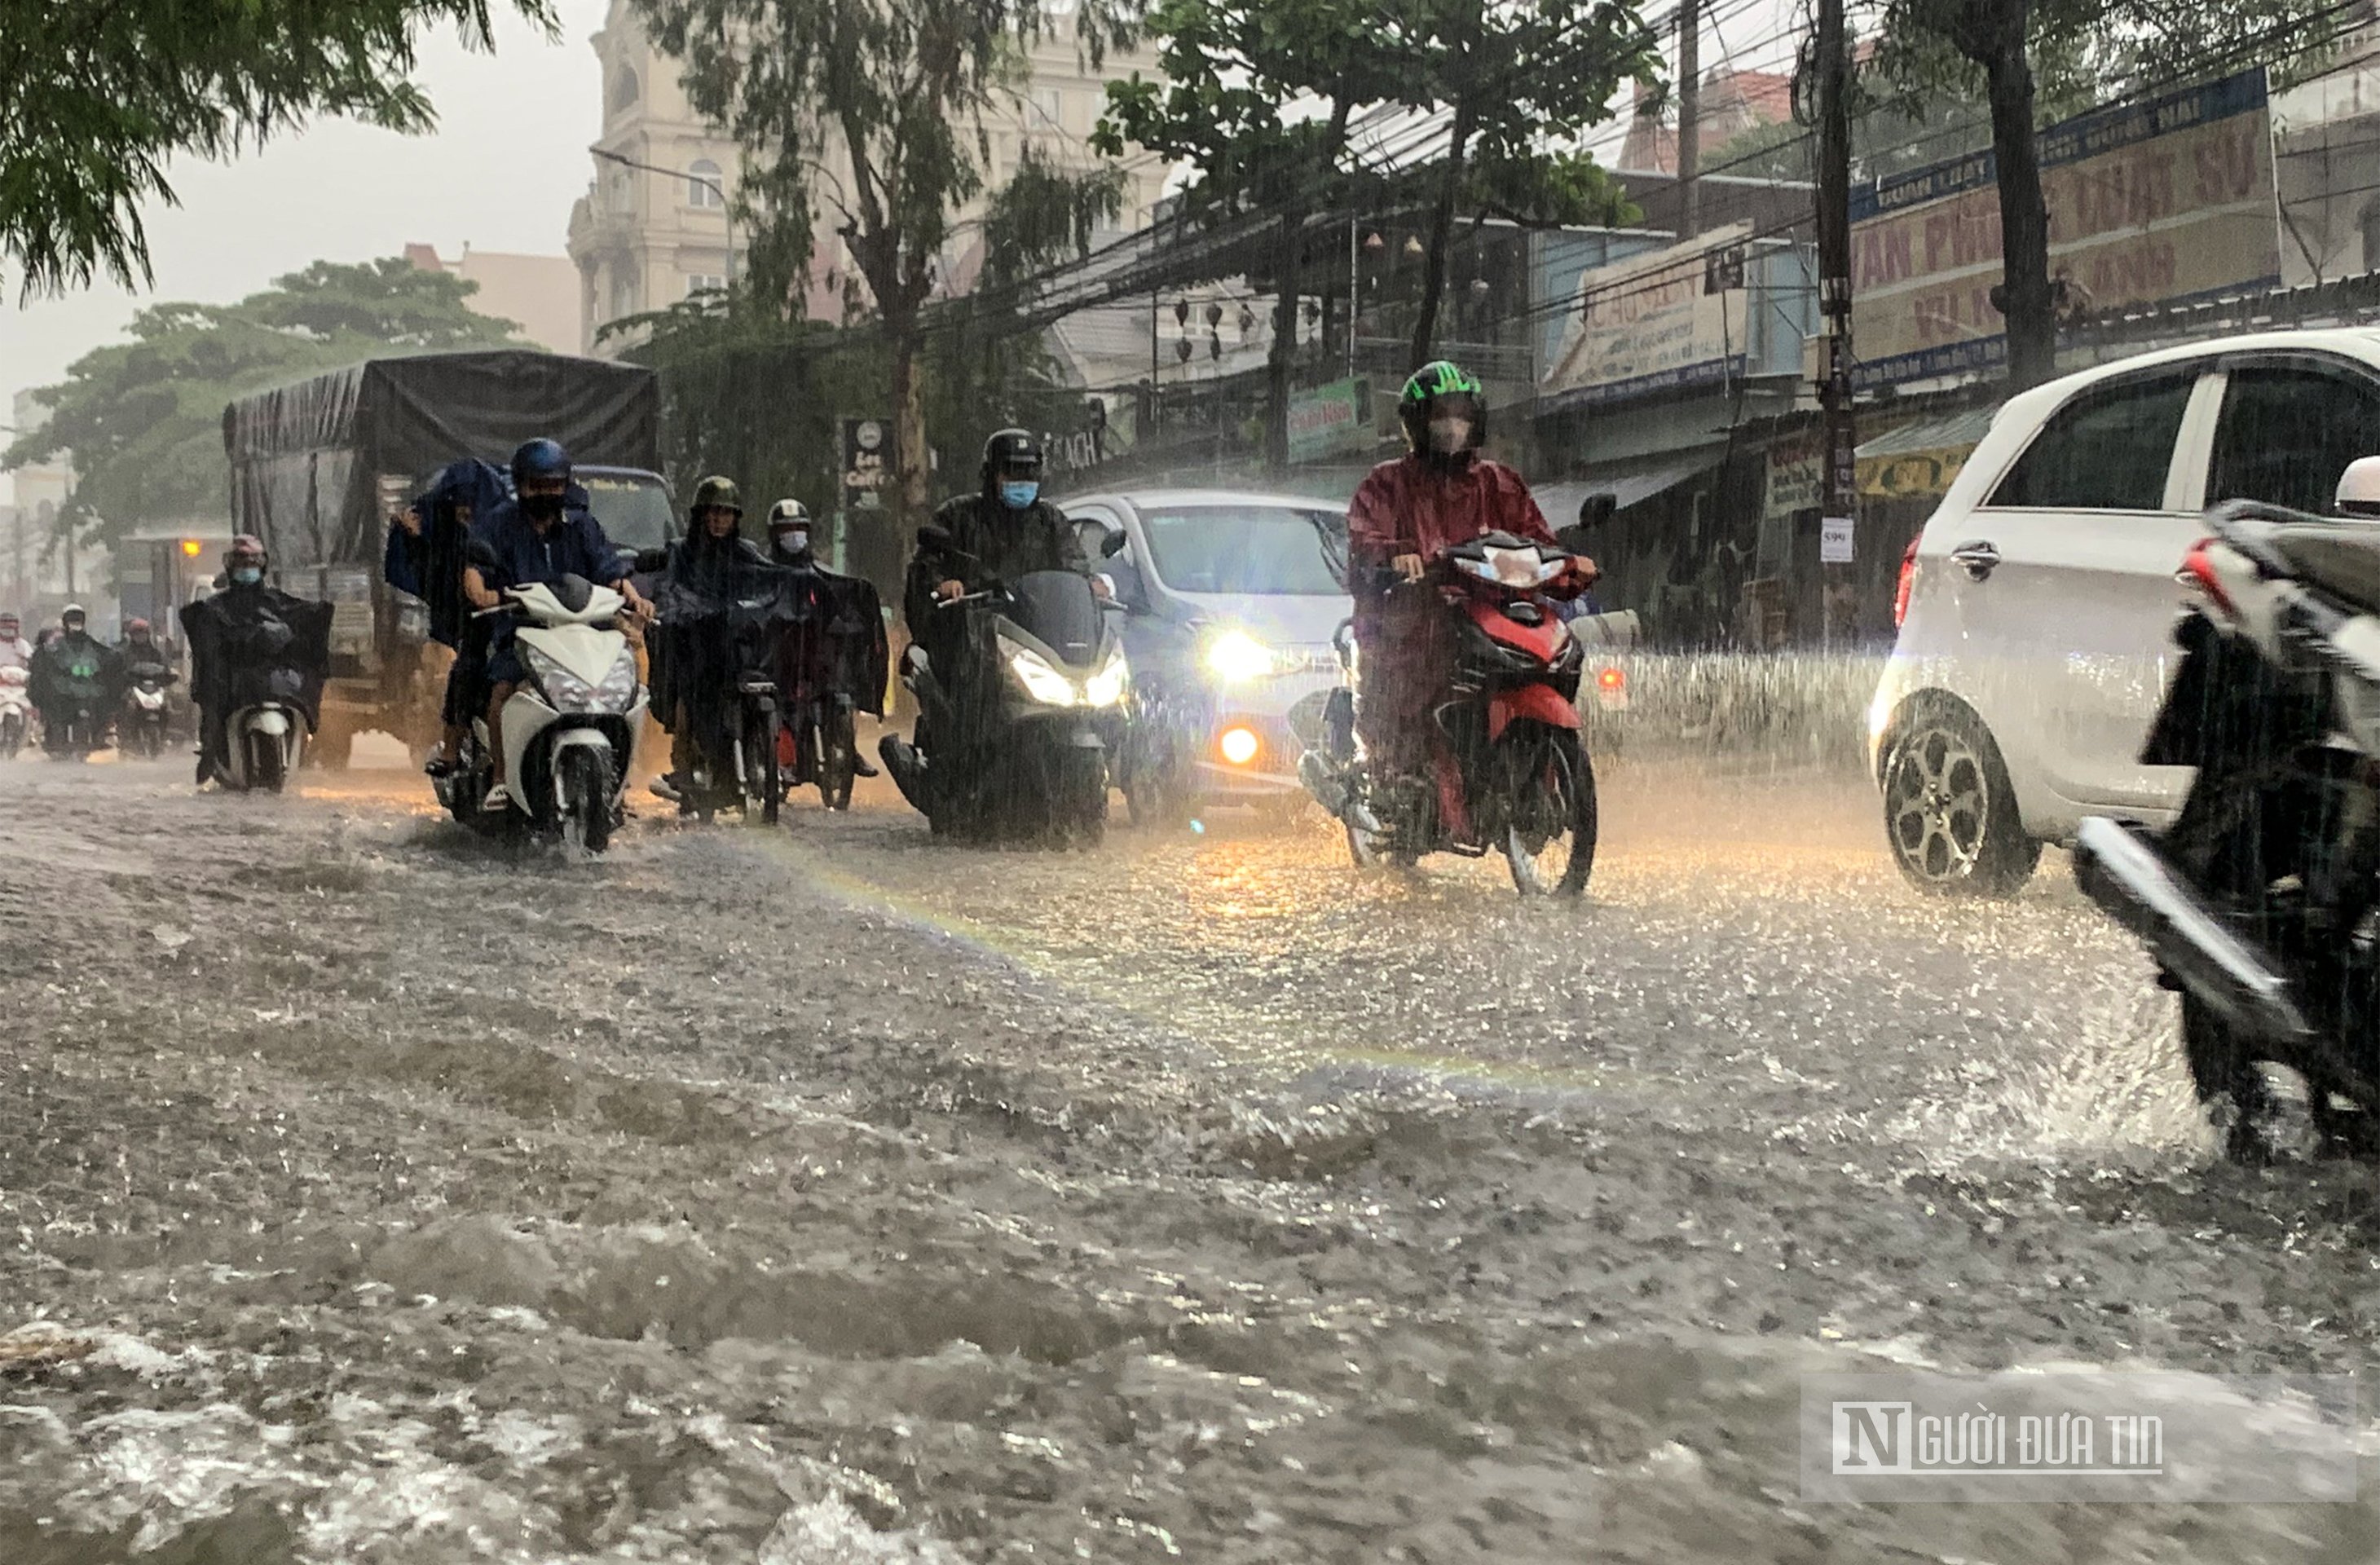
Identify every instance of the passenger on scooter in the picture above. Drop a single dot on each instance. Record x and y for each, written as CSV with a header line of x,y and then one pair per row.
x,y
1002,531
238,639
427,549
72,668
1442,493
700,565
15,651
530,538
832,599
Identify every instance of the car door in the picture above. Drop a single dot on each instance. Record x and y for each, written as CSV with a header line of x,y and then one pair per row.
x,y
2290,425
2065,588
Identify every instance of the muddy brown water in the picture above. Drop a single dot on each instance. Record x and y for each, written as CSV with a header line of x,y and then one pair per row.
x,y
825,1194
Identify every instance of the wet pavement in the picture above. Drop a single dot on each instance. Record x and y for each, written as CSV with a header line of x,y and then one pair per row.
x,y
824,1195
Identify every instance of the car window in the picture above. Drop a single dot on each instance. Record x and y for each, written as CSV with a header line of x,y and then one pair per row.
x,y
2107,450
2288,431
1247,549
633,511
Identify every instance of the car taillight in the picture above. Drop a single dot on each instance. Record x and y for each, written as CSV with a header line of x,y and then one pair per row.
x,y
1908,580
2198,571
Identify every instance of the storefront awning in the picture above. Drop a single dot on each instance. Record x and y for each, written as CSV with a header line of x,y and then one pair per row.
x,y
1919,459
1628,484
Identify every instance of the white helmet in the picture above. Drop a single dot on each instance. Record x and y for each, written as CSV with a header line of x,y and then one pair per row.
x,y
788,514
2359,488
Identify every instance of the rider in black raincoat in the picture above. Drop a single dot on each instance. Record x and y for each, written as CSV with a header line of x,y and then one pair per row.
x,y
251,643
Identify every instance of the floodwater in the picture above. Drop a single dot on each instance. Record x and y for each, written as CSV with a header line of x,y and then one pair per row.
x,y
824,1195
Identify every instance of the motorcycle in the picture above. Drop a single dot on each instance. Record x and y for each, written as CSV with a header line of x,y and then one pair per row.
x,y
819,745
16,710
1015,736
745,772
1512,773
2261,901
568,729
265,742
74,724
140,730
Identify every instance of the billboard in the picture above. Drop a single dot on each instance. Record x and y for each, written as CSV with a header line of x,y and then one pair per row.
x,y
2168,198
1655,321
1331,420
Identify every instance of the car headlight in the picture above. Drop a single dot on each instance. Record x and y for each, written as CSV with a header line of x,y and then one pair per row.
x,y
1106,687
1235,657
1041,682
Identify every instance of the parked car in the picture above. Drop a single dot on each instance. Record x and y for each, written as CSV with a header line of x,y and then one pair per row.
x,y
1231,602
2037,605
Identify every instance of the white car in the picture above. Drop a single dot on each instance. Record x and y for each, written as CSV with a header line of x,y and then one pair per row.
x,y
2037,605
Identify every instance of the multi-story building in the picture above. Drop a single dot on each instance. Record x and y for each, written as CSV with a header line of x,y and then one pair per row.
x,y
537,293
644,240
35,574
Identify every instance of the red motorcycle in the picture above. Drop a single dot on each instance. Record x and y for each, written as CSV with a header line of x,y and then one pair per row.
x,y
1511,774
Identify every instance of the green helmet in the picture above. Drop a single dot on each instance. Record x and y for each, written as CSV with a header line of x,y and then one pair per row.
x,y
1433,383
716,490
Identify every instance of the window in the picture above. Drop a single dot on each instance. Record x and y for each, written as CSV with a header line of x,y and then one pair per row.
x,y
624,295
2107,450
1048,111
704,282
704,183
2288,431
626,89
1255,549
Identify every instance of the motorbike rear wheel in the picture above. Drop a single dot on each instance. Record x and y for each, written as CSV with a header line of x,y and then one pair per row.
x,y
12,736
586,787
1549,842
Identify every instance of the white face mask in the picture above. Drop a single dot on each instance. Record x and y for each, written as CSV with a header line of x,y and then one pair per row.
x,y
1447,436
794,542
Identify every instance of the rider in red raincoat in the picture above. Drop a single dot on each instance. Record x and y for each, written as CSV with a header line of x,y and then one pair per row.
x,y
1440,493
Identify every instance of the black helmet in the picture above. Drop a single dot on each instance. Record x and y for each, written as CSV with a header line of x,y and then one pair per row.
x,y
539,458
1442,387
719,492
788,514
1012,454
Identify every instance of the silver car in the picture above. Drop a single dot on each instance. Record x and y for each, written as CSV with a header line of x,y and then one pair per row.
x,y
1232,604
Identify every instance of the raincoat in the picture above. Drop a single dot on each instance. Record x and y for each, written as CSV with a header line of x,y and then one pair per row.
x,y
725,613
249,644
1003,544
1410,507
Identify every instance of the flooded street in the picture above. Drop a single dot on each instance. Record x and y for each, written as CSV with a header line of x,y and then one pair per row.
x,y
826,1194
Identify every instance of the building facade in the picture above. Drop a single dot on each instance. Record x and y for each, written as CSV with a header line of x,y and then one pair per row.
x,y
537,293
643,240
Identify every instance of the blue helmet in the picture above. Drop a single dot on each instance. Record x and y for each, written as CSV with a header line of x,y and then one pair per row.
x,y
539,458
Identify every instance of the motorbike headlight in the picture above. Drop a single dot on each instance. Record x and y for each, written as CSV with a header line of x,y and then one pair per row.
x,y
618,692
1040,681
1106,687
1235,657
564,691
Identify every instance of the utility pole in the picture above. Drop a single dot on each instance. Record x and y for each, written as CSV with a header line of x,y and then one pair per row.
x,y
1690,103
1839,490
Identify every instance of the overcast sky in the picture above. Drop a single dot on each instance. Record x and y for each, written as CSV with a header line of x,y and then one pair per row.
x,y
507,160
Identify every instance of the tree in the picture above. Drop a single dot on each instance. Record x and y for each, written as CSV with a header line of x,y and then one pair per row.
x,y
1226,68
96,96
1513,81
894,92
2109,44
144,419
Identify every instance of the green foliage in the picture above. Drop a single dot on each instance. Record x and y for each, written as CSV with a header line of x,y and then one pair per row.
x,y
96,96
144,419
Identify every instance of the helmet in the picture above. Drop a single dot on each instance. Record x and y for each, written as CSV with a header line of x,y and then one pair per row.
x,y
1012,454
788,514
539,458
716,490
73,612
1442,386
9,625
136,627
2359,488
246,546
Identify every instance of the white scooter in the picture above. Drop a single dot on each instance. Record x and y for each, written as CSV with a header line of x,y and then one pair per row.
x,y
569,728
263,744
15,711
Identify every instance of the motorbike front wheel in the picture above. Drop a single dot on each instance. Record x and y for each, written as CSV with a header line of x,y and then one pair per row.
x,y
265,758
587,788
1551,831
12,736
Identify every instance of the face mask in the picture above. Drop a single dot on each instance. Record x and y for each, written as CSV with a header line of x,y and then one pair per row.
x,y
794,542
247,576
1447,436
74,627
540,507
1017,493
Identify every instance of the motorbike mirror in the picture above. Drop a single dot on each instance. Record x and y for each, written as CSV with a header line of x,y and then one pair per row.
x,y
1114,544
933,535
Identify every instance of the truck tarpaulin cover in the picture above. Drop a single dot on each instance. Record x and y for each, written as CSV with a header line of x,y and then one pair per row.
x,y
306,458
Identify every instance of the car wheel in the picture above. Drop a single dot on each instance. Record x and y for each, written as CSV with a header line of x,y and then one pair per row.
x,y
1949,811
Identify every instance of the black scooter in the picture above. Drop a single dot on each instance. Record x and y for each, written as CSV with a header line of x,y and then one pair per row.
x,y
1013,736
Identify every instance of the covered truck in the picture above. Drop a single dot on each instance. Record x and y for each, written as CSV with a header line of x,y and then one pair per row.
x,y
318,466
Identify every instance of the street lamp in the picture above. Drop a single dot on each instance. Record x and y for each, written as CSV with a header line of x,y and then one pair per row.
x,y
725,215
